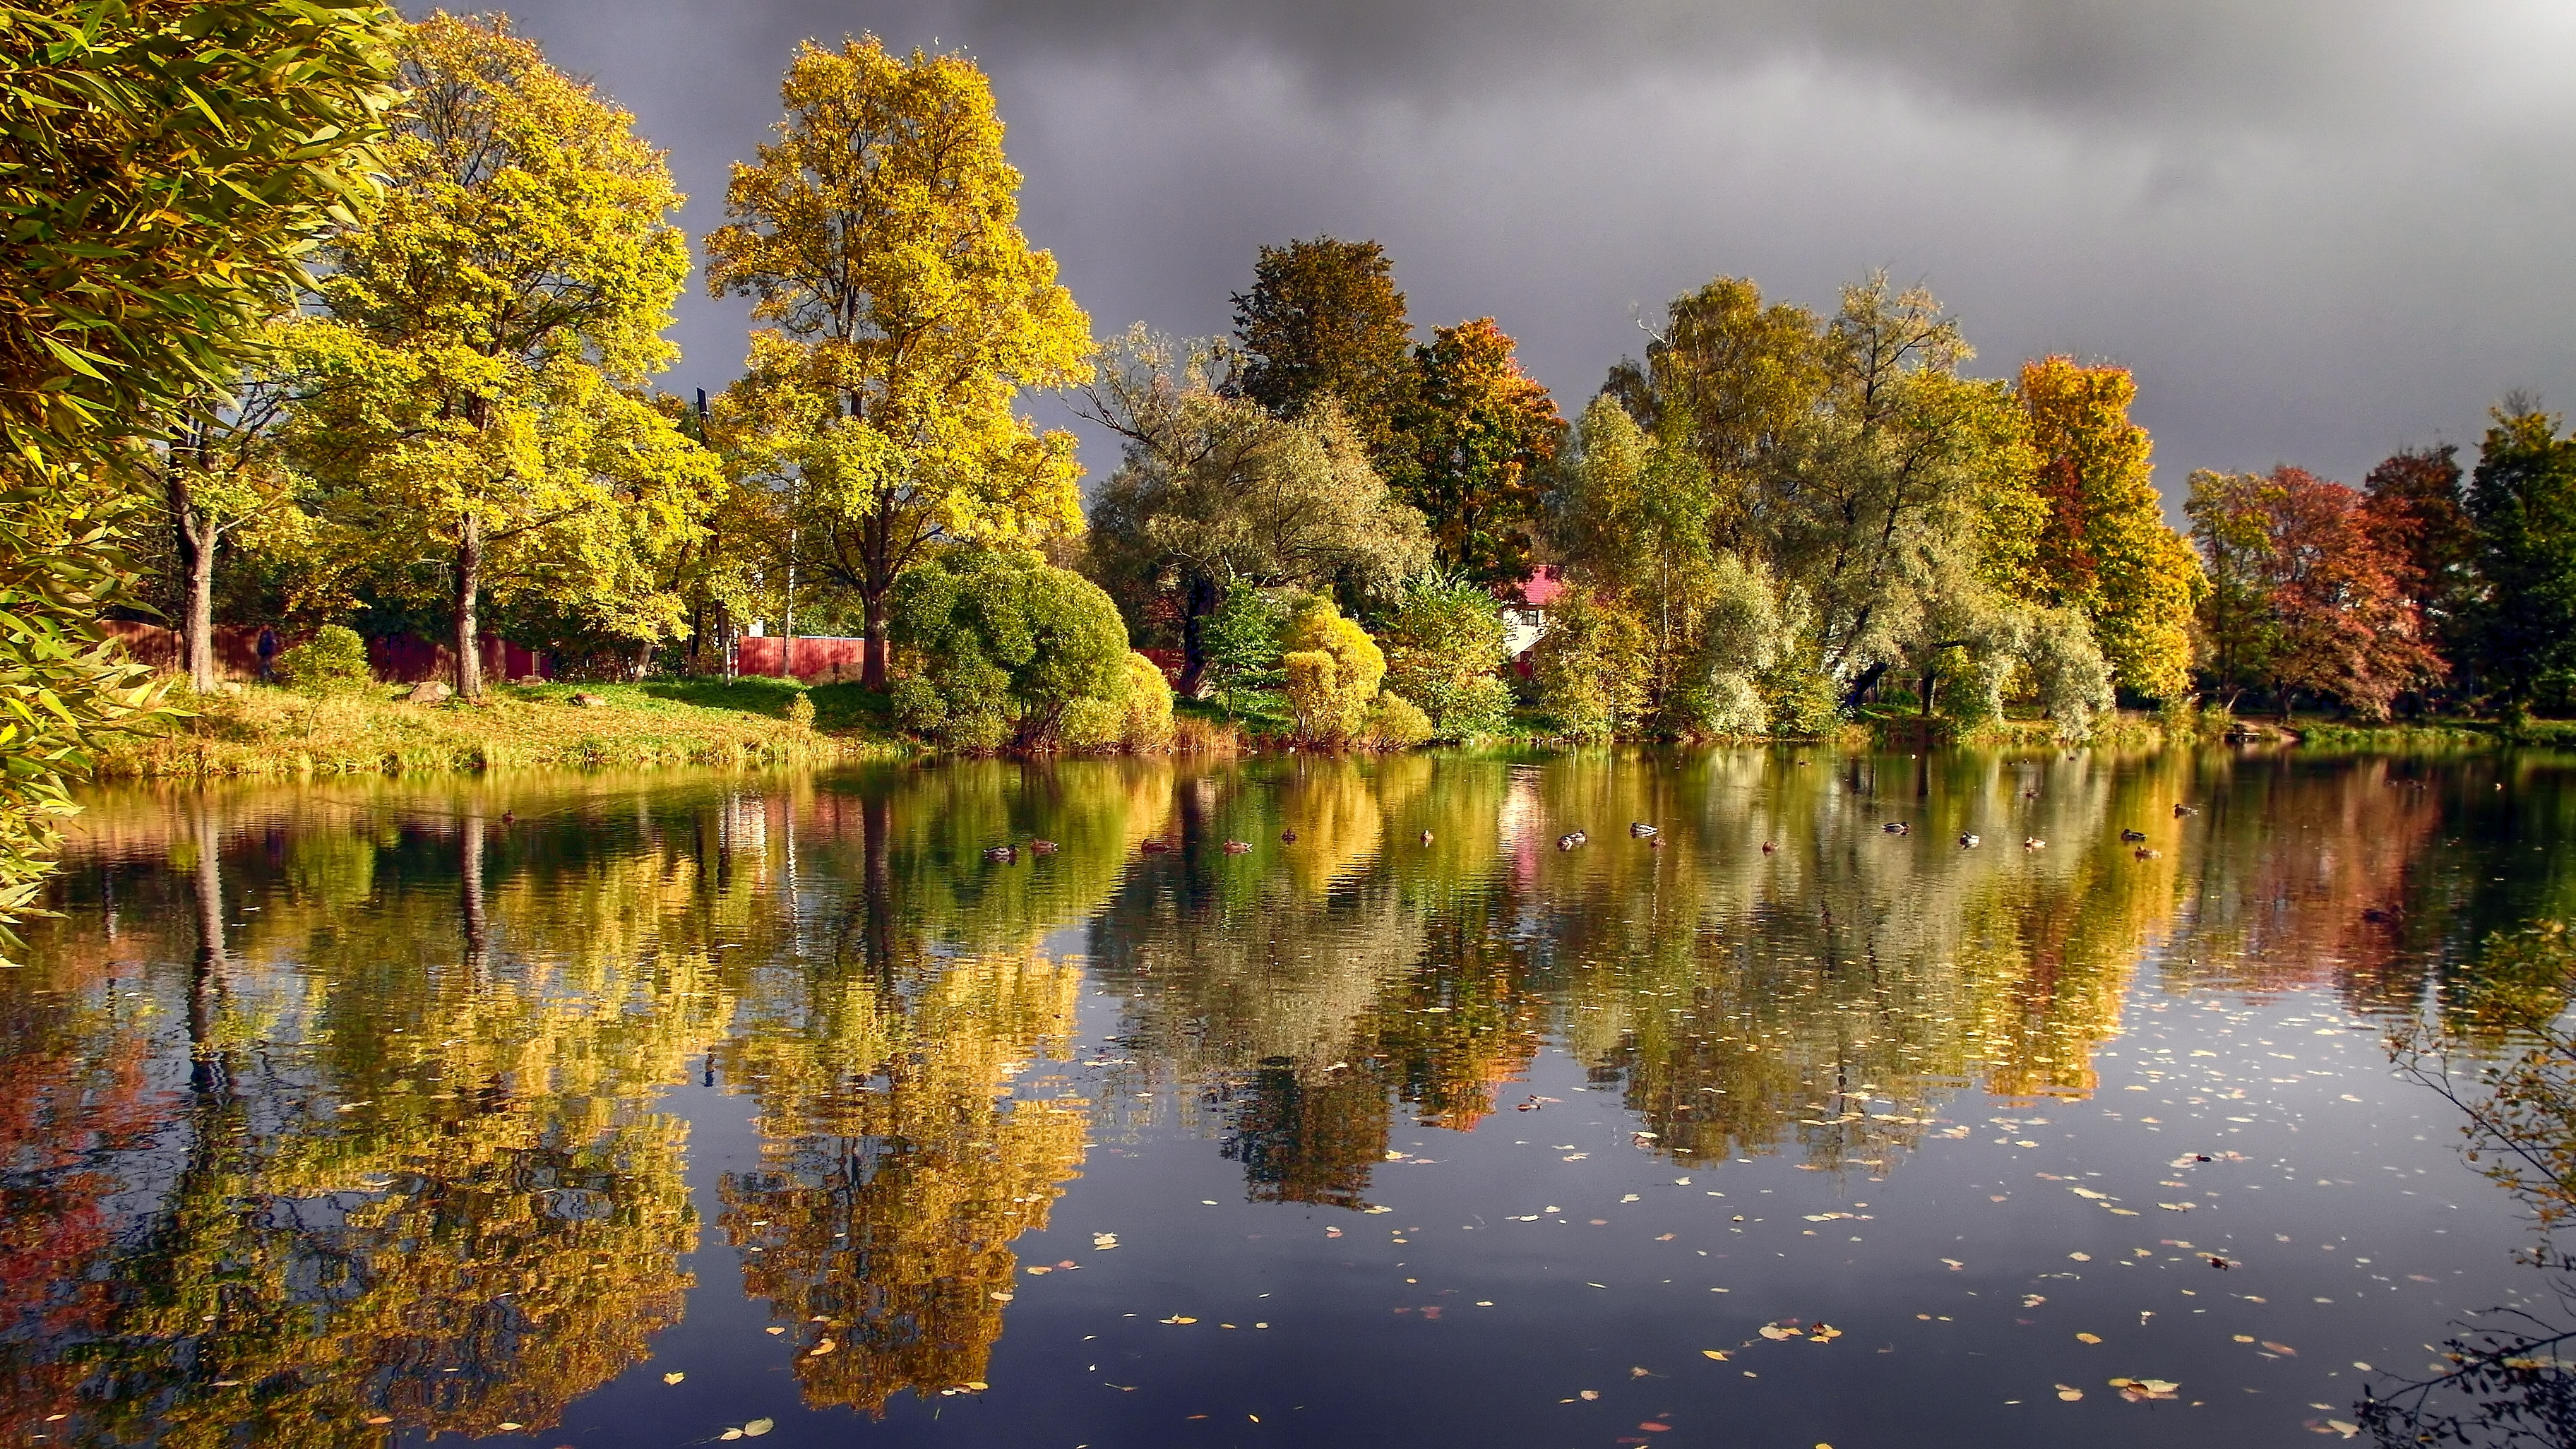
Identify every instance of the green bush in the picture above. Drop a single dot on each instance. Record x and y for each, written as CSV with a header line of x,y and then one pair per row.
x,y
1444,645
1008,645
1140,718
800,711
333,661
1241,640
1591,667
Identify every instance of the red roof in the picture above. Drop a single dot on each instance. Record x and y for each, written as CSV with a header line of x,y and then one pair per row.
x,y
1542,586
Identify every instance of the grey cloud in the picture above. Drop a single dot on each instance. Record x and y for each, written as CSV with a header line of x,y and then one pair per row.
x,y
2317,231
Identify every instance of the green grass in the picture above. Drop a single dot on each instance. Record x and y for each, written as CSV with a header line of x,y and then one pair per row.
x,y
267,732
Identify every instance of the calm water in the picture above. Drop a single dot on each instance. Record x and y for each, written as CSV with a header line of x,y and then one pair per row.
x,y
672,1111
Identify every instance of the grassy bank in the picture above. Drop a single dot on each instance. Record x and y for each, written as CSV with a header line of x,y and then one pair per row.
x,y
275,732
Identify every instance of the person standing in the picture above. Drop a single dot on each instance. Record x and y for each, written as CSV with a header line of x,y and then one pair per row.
x,y
267,649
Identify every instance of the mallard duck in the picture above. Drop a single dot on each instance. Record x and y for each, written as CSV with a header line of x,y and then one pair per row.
x,y
1289,836
2133,835
1768,847
1897,827
1642,830
2181,810
1571,839
1970,842
1237,847
1426,837
1003,853
1156,847
2033,842
1041,847
2143,853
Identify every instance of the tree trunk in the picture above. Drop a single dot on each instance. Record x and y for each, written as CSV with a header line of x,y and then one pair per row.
x,y
206,979
469,873
872,657
469,583
197,542
1201,603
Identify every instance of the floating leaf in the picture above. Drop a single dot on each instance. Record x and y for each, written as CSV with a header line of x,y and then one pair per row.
x,y
2069,1392
2088,1338
1721,1355
758,1427
674,1376
820,1349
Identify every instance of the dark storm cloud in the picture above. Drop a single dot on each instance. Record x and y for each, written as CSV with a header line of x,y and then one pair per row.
x,y
2316,230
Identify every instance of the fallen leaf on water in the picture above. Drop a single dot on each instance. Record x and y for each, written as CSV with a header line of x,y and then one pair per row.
x,y
827,1345
2081,1257
1825,1333
2069,1392
1719,1354
674,1376
1637,1373
1180,1318
1955,1264
1775,1332
376,1419
1332,1232
773,1330
2281,1348
2088,1338
1588,1394
1651,1427
1040,1272
1001,1297
758,1427
974,1386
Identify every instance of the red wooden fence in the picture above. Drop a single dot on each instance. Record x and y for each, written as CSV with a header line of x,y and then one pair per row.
x,y
827,658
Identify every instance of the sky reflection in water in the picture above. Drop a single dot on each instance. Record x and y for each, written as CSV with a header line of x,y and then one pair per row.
x,y
642,1112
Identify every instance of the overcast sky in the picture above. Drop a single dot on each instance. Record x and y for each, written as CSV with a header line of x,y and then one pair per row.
x,y
2318,230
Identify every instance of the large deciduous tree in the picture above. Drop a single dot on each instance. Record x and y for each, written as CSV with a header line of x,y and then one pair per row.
x,y
2523,500
878,235
1324,319
499,312
1470,445
2302,596
2416,504
1215,490
165,169
2107,550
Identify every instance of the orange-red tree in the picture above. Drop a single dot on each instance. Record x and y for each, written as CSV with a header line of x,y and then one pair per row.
x,y
1469,445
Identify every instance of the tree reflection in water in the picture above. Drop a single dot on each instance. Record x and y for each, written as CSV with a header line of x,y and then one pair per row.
x,y
333,1112
2507,1380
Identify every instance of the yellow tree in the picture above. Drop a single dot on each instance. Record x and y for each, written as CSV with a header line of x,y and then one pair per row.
x,y
879,235
2107,549
499,314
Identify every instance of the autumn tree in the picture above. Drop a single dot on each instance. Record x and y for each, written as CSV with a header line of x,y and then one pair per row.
x,y
1732,378
2107,550
2523,500
2302,596
1324,319
1214,490
1470,444
878,235
2416,505
498,315
165,170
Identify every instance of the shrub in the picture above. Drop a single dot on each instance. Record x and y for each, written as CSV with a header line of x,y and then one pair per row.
x,y
1241,640
1395,723
1008,645
1138,718
333,661
1443,646
1334,668
800,711
1590,667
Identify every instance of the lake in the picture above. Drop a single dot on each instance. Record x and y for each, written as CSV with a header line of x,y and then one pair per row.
x,y
676,1110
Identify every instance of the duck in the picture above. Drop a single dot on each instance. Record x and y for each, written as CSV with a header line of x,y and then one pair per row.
x,y
2181,810
1156,847
1041,847
1426,837
1571,839
2143,853
2030,794
1970,842
1237,847
2133,835
2033,842
1642,830
1289,836
1002,853
1897,827
1768,847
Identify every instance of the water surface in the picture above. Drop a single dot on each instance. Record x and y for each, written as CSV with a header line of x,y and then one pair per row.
x,y
565,1111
